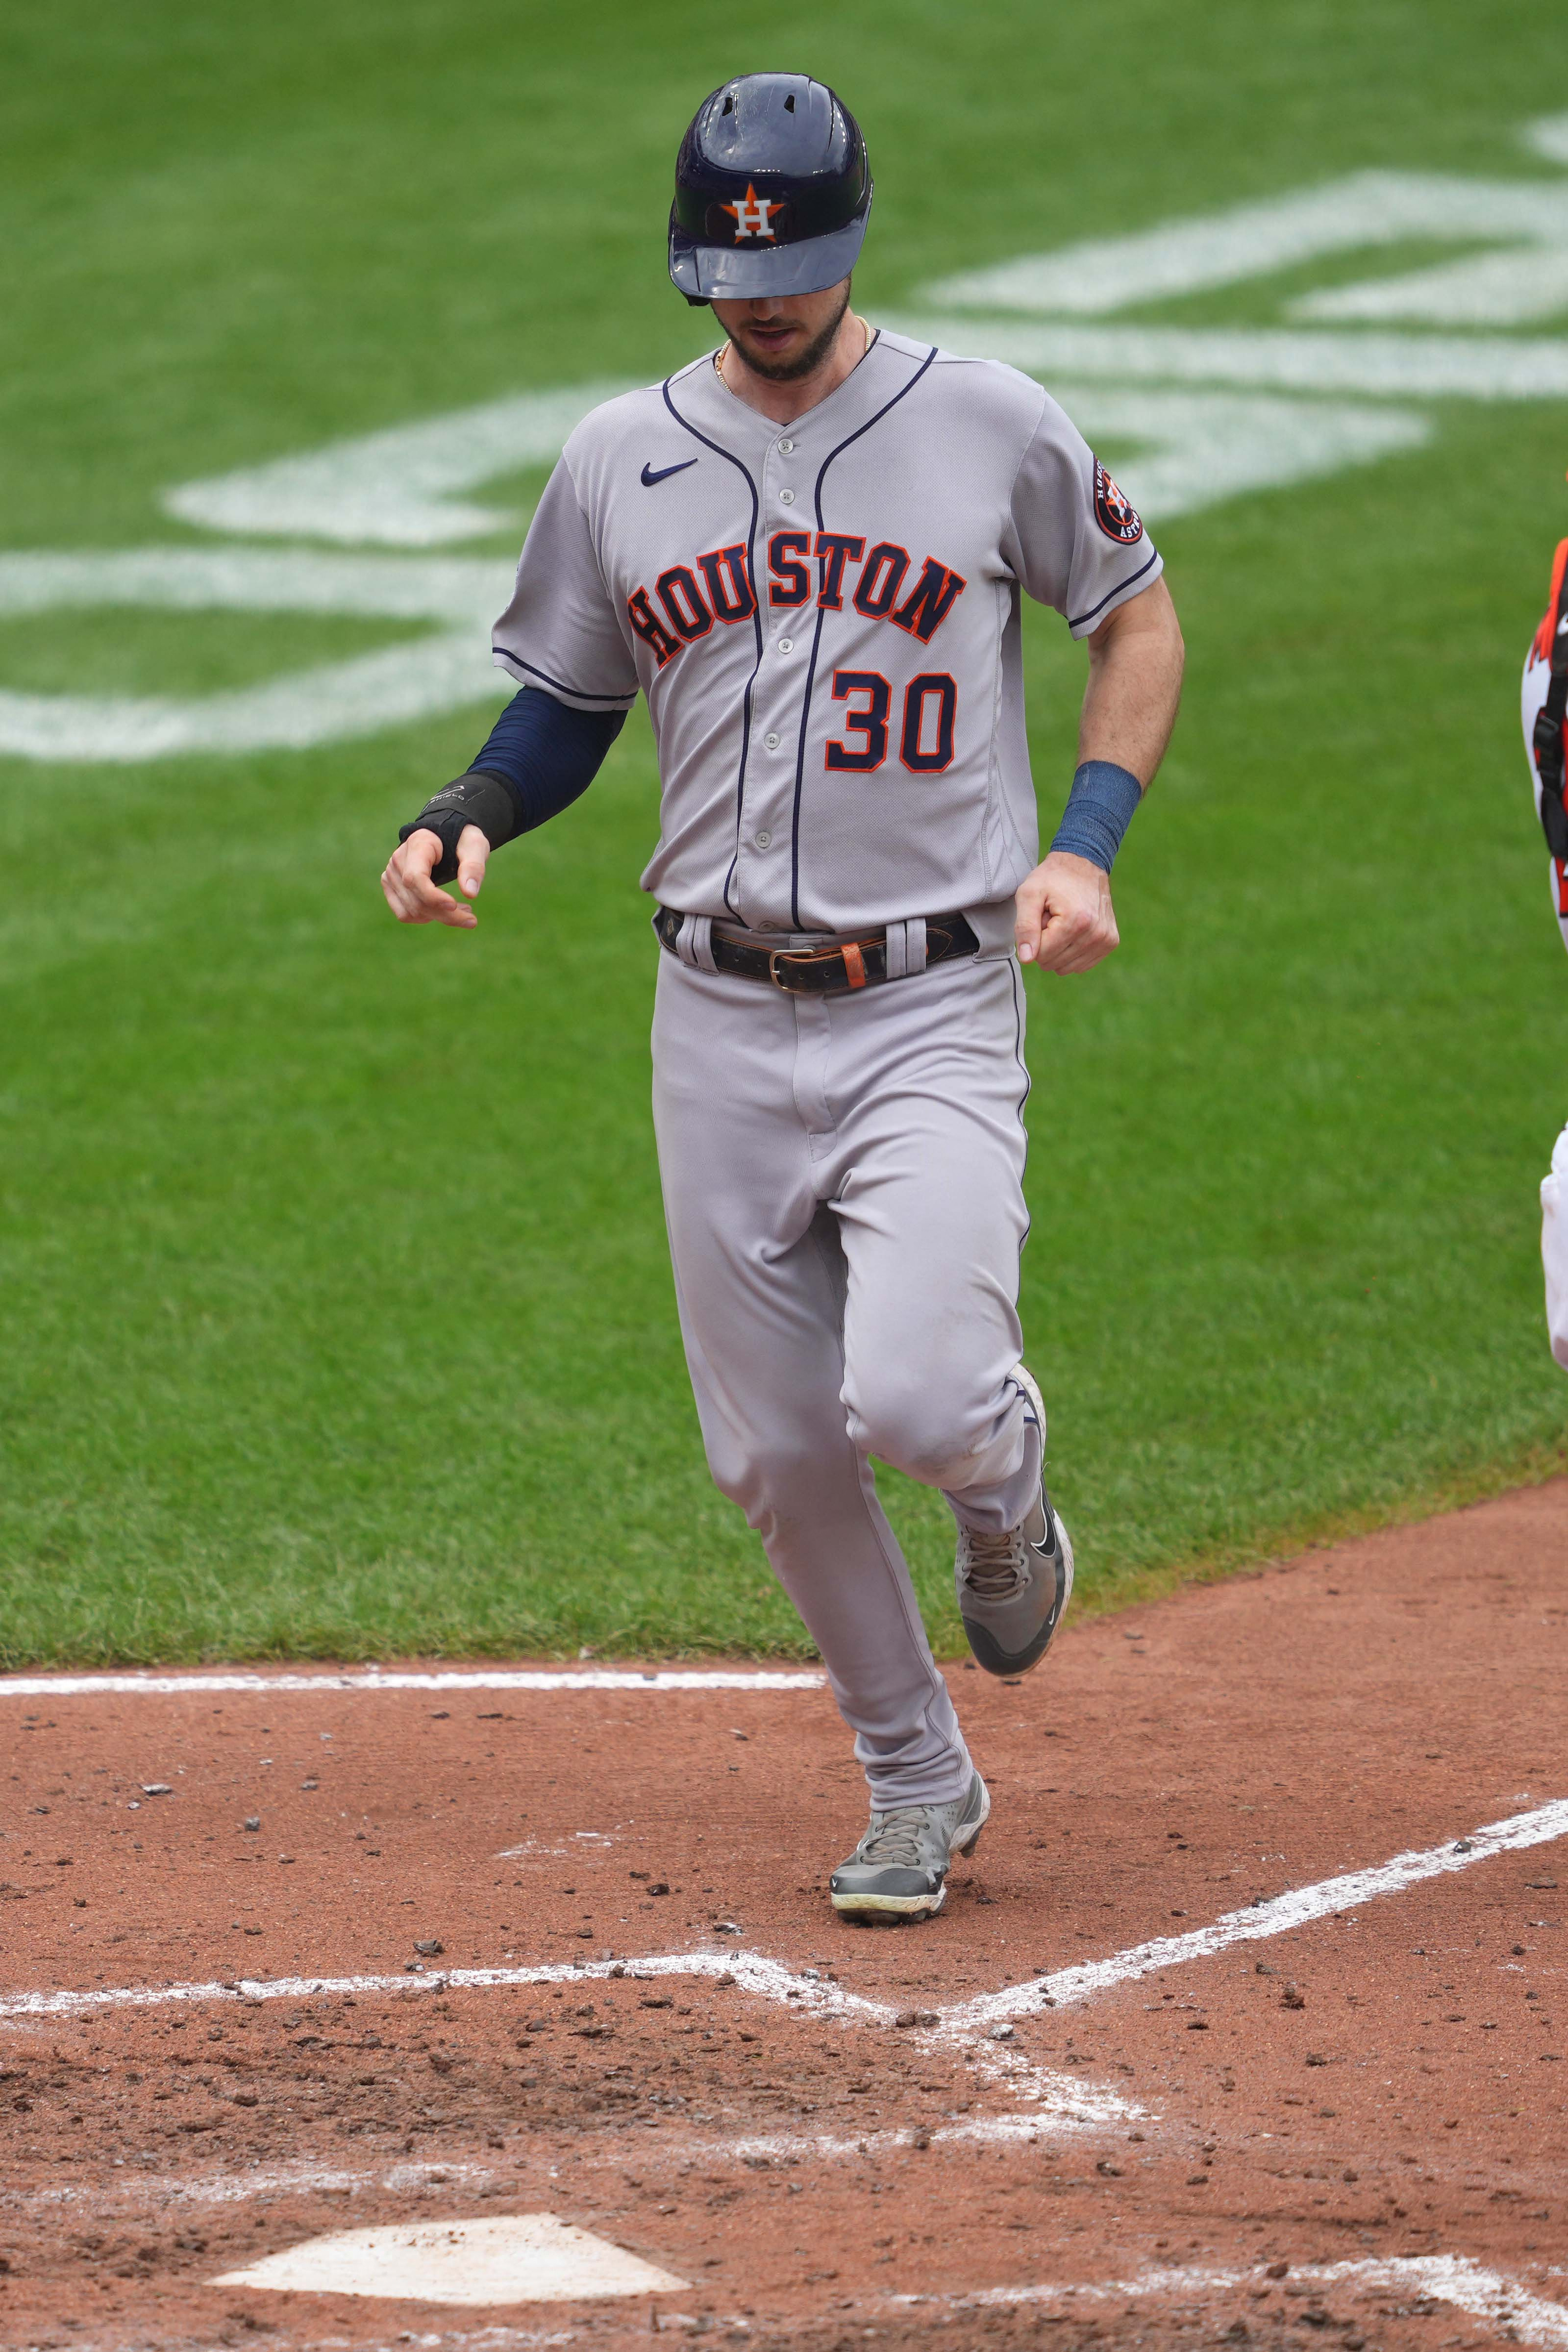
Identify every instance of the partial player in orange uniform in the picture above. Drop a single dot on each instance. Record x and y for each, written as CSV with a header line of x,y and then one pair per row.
x,y
1545,697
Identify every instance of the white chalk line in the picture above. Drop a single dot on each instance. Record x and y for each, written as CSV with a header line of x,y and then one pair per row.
x,y
768,1979
1540,1826
1058,2102
1454,2279
772,1979
131,2184
666,1678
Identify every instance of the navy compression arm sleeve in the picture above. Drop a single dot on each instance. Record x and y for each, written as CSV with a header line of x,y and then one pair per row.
x,y
541,756
548,753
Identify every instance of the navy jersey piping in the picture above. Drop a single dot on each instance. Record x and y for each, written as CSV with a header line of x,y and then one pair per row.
x,y
745,472
516,661
816,636
1077,622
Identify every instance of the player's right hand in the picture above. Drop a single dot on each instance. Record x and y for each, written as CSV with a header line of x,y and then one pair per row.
x,y
414,897
1066,922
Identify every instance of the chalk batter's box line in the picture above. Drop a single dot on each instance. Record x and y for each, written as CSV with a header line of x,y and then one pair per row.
x,y
1454,2279
664,1678
773,1980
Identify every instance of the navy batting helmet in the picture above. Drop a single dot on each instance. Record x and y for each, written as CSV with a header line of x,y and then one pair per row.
x,y
772,191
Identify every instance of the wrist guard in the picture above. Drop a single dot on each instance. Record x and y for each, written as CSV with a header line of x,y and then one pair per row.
x,y
1100,807
478,798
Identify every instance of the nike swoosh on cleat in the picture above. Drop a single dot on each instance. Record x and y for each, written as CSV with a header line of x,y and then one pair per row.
x,y
650,477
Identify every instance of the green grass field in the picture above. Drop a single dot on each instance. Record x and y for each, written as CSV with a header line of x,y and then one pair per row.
x,y
337,1313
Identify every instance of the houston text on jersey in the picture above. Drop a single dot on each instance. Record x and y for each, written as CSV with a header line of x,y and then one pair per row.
x,y
689,607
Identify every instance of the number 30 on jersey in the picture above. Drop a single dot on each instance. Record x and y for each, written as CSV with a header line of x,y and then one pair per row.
x,y
925,728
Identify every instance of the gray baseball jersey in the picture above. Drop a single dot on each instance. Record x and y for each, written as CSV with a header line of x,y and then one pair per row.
x,y
824,617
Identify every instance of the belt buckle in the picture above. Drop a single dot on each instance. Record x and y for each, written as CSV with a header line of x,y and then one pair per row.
x,y
775,956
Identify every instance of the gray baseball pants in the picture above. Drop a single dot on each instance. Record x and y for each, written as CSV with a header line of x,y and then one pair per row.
x,y
844,1186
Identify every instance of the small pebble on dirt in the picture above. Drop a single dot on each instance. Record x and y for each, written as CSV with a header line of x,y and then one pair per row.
x,y
1291,1997
1001,2033
1278,2271
429,1944
251,1821
148,1789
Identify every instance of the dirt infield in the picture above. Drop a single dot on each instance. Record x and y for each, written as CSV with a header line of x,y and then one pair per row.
x,y
236,1923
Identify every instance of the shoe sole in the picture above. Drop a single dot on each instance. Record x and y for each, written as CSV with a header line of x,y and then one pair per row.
x,y
983,1642
894,1907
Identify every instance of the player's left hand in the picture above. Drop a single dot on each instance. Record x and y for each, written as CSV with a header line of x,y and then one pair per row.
x,y
1065,919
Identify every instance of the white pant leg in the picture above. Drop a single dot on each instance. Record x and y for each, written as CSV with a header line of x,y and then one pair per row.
x,y
1554,1248
738,1074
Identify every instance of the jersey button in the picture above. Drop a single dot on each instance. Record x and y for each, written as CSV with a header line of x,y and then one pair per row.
x,y
764,840
786,498
786,448
786,644
772,742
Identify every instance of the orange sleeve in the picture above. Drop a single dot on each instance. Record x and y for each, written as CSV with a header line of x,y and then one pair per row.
x,y
1542,647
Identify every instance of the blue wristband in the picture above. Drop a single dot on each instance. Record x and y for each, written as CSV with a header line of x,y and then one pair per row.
x,y
1100,808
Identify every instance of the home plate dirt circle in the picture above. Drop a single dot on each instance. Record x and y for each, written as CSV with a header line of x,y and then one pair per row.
x,y
358,2009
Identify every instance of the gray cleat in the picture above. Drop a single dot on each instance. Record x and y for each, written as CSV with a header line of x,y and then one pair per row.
x,y
1013,1587
899,1870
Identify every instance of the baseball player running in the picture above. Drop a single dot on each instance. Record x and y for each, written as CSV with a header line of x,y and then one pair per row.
x,y
1545,699
807,551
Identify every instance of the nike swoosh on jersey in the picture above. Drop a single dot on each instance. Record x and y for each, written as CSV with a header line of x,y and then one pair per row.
x,y
650,477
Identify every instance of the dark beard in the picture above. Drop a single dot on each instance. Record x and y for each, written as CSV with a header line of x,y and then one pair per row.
x,y
807,362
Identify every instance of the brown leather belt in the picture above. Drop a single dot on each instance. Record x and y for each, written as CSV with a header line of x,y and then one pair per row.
x,y
827,971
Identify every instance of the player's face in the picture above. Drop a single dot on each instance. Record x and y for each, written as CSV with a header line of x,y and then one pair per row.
x,y
788,336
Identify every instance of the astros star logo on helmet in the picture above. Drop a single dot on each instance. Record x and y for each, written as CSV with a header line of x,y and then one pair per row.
x,y
753,214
